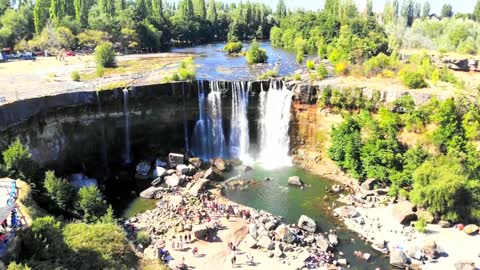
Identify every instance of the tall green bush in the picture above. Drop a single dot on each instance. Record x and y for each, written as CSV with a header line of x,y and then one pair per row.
x,y
233,47
256,54
19,162
105,55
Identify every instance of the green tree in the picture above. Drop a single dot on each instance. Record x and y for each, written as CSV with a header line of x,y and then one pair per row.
x,y
332,7
105,55
346,146
449,135
281,9
91,203
141,9
426,10
40,14
447,11
440,185
369,8
256,54
212,15
18,161
157,10
107,7
185,9
45,239
59,190
408,12
200,9
476,11
4,5
65,37
56,11
471,124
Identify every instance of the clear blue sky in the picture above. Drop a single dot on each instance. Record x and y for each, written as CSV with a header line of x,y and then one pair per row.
x,y
458,5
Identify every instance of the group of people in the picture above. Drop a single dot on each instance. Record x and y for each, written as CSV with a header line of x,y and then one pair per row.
x,y
319,258
183,240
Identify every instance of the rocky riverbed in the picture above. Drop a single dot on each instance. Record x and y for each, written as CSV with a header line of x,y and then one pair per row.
x,y
190,203
388,225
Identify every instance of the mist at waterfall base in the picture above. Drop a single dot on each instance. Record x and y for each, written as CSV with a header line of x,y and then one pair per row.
x,y
273,142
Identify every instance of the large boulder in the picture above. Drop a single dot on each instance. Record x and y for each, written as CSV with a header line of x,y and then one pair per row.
x,y
322,243
283,233
465,265
429,247
252,229
333,239
402,213
214,174
151,253
368,184
470,229
175,159
266,243
150,192
182,169
307,224
295,181
347,211
222,165
199,186
200,231
250,241
173,180
398,258
159,172
196,162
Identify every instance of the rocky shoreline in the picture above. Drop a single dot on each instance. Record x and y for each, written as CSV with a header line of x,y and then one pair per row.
x,y
191,203
389,225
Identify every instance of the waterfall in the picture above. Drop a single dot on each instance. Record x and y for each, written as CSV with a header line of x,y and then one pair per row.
x,y
127,126
185,126
200,140
215,127
239,135
208,139
274,139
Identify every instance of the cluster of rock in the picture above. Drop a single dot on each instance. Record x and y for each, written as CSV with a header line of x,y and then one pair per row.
x,y
390,226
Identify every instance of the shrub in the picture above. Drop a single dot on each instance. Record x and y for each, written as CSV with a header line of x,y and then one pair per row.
x,y
322,71
310,65
59,190
100,71
297,77
143,238
19,266
105,55
341,68
18,161
91,203
272,73
256,54
112,86
413,79
98,246
75,76
233,47
300,57
421,225
376,64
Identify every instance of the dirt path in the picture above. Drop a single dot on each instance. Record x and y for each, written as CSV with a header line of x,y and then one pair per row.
x,y
217,255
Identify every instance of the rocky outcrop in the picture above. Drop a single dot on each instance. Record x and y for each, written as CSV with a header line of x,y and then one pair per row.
x,y
403,213
295,181
398,258
307,224
214,174
150,193
458,64
471,229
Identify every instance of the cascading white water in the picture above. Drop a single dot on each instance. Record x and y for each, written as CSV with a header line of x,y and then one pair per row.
x,y
274,122
208,138
239,134
126,114
217,143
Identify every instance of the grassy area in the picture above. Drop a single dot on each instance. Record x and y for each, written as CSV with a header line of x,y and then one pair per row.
x,y
138,206
140,65
113,85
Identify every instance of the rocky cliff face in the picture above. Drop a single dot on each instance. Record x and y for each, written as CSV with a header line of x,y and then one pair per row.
x,y
87,129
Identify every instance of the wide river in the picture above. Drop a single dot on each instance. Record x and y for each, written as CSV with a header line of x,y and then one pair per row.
x,y
214,64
